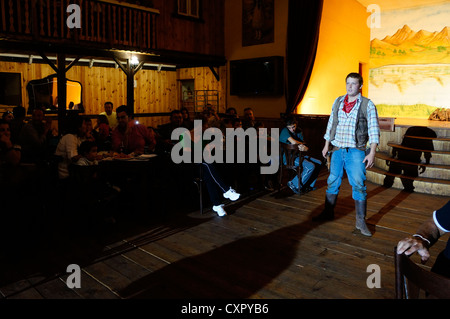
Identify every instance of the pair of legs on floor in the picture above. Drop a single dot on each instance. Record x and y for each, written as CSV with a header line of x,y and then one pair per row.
x,y
217,188
310,171
350,160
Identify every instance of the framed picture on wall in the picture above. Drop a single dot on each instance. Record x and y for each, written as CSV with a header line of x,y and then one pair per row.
x,y
257,22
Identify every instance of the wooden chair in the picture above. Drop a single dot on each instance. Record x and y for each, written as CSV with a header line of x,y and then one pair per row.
x,y
199,182
288,154
410,278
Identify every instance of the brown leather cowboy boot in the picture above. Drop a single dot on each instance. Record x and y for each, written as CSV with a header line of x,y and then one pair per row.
x,y
328,212
361,208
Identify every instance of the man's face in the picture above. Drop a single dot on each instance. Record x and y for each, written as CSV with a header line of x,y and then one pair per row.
x,y
89,126
108,108
4,130
122,118
176,119
353,86
292,127
92,155
249,115
83,129
9,117
38,116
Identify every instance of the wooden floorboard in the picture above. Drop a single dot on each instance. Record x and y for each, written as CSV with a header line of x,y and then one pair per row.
x,y
266,248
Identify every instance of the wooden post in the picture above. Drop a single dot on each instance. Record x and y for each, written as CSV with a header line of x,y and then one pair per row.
x,y
62,92
130,88
130,71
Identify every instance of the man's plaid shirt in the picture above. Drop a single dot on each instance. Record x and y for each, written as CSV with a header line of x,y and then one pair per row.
x,y
345,131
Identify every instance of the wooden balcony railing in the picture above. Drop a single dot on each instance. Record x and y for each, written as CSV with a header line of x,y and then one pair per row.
x,y
104,24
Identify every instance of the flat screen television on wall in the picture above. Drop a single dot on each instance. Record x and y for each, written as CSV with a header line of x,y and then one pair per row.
x,y
10,89
257,77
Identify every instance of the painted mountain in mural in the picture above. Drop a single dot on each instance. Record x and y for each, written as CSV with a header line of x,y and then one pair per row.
x,y
407,46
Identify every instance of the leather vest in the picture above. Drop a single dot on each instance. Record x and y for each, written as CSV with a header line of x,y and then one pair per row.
x,y
361,129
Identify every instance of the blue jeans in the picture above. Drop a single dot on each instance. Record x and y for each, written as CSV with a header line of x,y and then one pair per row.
x,y
214,183
350,159
311,167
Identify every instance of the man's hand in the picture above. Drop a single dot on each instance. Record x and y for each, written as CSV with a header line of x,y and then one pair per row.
x,y
302,148
411,245
369,160
325,150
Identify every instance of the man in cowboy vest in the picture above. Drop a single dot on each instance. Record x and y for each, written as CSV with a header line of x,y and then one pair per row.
x,y
353,122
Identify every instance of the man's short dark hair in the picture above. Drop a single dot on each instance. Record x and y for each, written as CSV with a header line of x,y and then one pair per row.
x,y
175,112
19,111
86,146
290,120
122,108
357,76
112,105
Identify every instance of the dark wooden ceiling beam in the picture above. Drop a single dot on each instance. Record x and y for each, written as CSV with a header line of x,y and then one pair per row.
x,y
180,59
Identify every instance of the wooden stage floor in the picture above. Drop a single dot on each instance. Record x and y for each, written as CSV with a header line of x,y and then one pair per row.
x,y
266,248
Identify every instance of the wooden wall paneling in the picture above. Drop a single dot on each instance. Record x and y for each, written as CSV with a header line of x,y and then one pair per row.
x,y
156,92
97,97
141,92
29,72
205,80
114,85
180,34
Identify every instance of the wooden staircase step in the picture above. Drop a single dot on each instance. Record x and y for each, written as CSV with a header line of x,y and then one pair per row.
x,y
423,185
422,179
444,139
394,145
386,157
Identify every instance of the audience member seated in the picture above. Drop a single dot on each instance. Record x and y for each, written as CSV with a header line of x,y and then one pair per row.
x,y
17,123
12,206
236,122
34,137
94,189
187,122
249,118
111,115
227,122
211,117
228,119
91,134
165,142
311,166
67,147
8,116
103,133
212,179
9,153
231,112
130,137
88,151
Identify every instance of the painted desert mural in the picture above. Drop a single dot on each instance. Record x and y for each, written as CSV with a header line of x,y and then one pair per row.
x,y
410,69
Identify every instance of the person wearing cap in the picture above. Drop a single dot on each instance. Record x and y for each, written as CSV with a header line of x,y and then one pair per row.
x,y
426,235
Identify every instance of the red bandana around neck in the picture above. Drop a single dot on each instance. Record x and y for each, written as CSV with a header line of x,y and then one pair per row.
x,y
348,106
